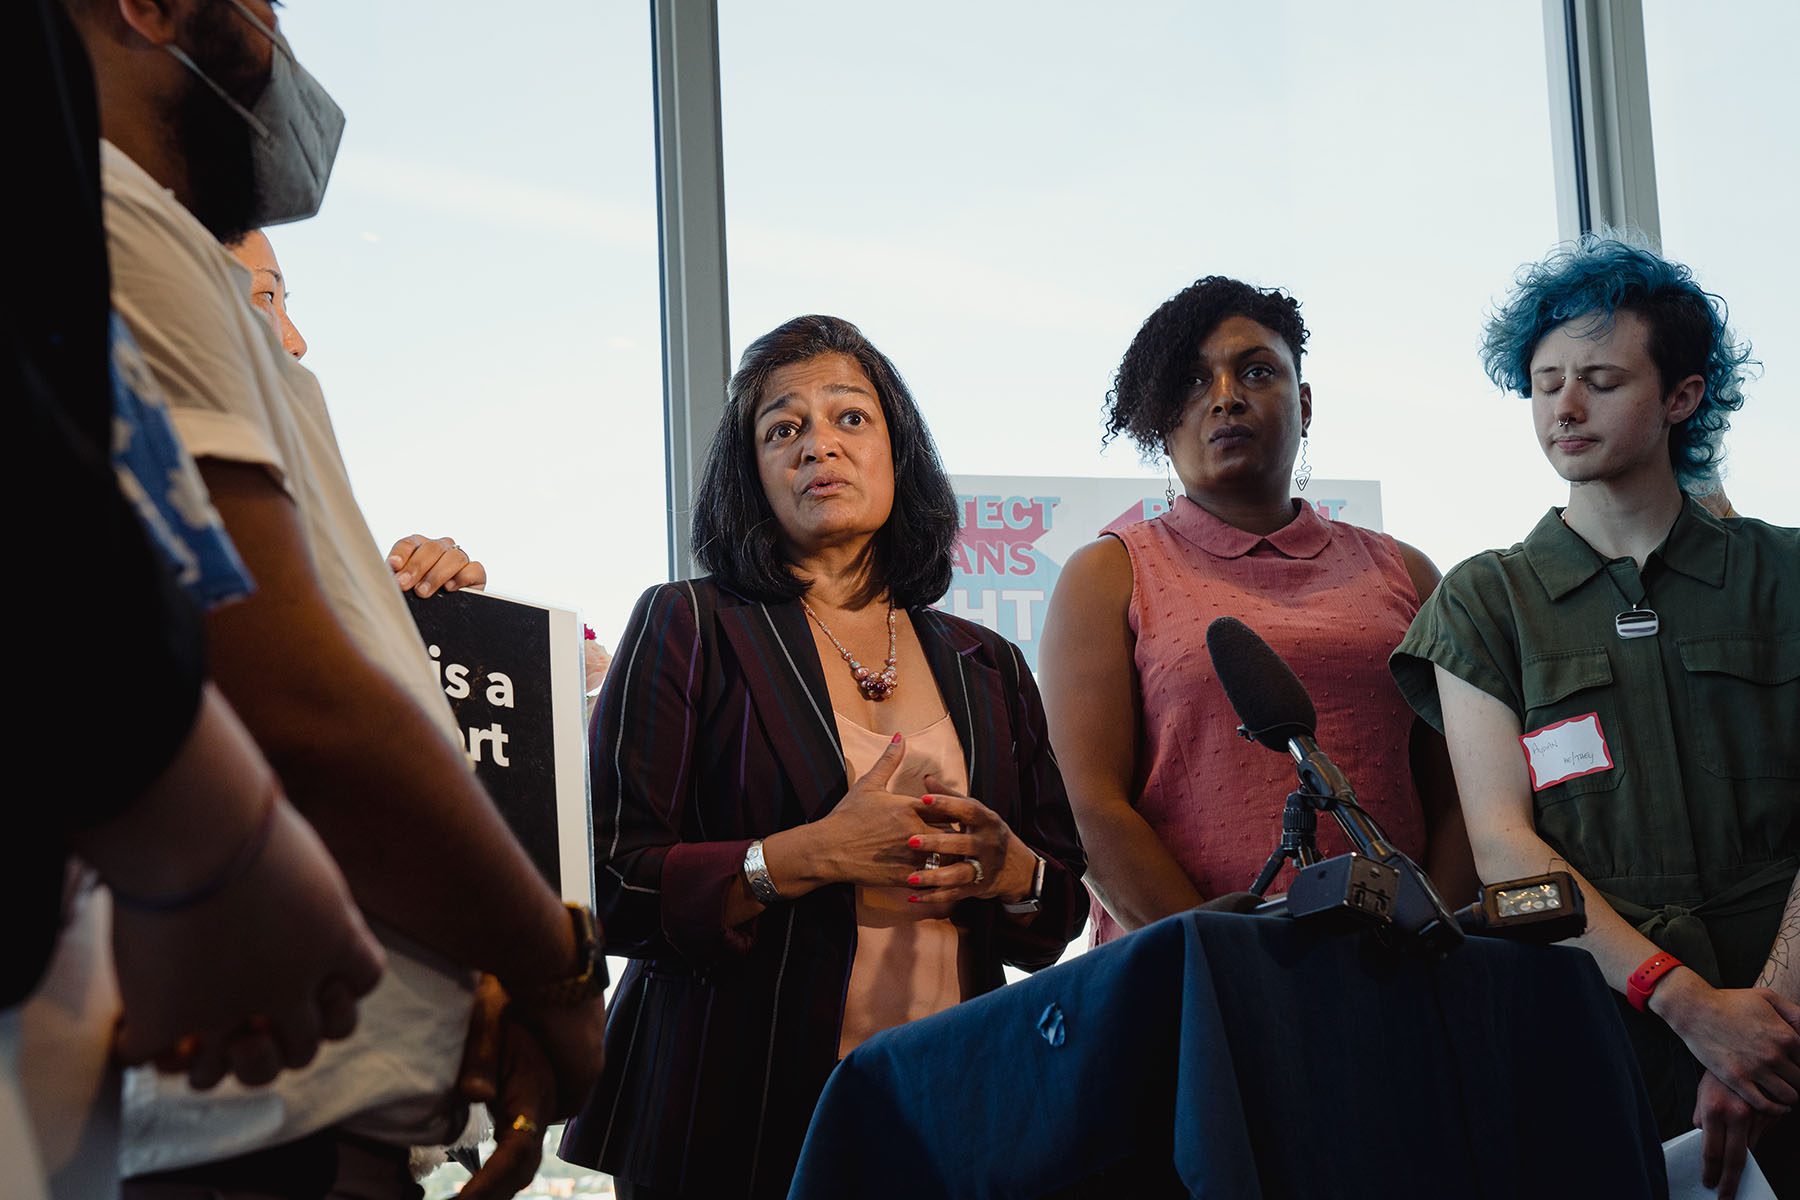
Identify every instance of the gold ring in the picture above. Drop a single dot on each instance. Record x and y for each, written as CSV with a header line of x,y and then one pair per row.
x,y
524,1124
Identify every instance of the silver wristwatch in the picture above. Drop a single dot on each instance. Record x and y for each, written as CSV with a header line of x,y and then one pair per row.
x,y
1031,903
756,874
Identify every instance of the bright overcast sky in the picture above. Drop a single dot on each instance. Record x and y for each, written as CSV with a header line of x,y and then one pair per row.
x,y
999,194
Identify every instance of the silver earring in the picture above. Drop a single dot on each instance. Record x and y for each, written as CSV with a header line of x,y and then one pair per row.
x,y
1303,473
1168,485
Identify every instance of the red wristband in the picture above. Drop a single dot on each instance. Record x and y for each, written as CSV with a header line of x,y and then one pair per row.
x,y
1643,981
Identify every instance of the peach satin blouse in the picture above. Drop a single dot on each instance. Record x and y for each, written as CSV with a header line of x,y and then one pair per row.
x,y
909,961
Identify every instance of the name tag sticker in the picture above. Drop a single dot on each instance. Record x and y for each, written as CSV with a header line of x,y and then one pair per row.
x,y
1566,750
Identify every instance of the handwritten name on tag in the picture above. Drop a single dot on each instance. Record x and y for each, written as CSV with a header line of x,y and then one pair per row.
x,y
1566,750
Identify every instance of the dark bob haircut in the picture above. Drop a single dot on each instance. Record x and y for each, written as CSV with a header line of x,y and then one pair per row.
x,y
735,534
1150,390
1601,275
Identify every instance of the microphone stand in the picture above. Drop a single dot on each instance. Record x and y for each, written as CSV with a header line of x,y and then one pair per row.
x,y
1331,791
1299,827
1418,910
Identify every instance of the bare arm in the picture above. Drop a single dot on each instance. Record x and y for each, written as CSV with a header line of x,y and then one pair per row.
x,y
1782,972
219,967
415,834
1090,697
1448,859
1745,1036
1731,1126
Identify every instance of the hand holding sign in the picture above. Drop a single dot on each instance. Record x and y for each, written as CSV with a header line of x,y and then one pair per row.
x,y
427,565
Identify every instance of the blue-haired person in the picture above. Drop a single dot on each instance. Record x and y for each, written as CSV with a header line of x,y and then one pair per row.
x,y
1621,691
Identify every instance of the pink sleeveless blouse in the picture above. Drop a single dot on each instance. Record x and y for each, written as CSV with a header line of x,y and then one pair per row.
x,y
1333,600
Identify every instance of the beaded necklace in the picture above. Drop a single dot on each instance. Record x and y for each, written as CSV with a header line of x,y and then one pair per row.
x,y
875,685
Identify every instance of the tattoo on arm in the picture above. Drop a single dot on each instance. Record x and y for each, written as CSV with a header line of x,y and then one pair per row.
x,y
1782,971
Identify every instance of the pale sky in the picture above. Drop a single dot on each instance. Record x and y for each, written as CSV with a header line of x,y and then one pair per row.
x,y
998,194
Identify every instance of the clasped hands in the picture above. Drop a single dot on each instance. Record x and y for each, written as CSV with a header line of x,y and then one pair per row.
x,y
880,838
1748,1039
531,1066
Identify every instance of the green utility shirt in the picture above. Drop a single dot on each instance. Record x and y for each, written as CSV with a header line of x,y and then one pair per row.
x,y
1693,832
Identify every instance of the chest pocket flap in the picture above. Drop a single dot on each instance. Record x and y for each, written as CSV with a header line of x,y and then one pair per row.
x,y
1549,678
1557,686
1764,660
1745,692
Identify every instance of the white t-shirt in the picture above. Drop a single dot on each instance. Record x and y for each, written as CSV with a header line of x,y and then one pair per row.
x,y
236,396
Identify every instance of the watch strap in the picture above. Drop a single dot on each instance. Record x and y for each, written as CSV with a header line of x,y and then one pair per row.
x,y
590,977
1033,902
1643,981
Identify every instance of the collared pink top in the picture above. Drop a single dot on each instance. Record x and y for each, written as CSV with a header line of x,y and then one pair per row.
x,y
1333,600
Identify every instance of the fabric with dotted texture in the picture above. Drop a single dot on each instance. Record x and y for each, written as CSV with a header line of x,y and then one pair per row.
x,y
1333,599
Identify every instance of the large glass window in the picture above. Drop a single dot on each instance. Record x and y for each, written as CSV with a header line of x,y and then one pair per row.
x,y
1000,194
480,297
480,291
1727,169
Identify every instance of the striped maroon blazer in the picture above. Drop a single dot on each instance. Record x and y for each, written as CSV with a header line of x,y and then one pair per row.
x,y
714,729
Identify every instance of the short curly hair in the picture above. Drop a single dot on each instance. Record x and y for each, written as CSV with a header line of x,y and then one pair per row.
x,y
1149,390
1601,275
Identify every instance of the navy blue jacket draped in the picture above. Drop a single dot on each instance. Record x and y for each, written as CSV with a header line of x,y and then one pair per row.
x,y
714,729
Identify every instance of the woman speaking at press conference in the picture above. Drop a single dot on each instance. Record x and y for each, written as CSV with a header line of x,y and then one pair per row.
x,y
821,808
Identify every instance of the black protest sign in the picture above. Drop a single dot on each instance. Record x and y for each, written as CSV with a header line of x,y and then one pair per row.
x,y
504,665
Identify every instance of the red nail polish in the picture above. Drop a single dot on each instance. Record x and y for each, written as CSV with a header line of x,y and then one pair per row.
x,y
926,799
896,738
915,841
912,899
913,879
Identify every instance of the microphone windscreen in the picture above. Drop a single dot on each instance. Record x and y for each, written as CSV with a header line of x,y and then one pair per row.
x,y
1268,697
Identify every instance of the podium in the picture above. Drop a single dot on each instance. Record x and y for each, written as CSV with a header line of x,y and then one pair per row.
x,y
1227,1056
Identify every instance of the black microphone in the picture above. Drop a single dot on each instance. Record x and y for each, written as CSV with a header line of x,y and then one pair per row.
x,y
1277,712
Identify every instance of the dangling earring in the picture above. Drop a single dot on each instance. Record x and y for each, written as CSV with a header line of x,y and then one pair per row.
x,y
1303,473
1168,480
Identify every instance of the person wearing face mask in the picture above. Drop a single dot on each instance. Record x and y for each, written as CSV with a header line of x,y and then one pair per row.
x,y
147,895
212,129
1174,808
